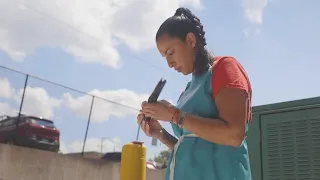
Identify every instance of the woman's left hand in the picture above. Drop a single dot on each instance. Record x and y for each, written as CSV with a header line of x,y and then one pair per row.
x,y
161,110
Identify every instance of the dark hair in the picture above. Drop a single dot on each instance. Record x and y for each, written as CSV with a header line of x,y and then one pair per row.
x,y
179,25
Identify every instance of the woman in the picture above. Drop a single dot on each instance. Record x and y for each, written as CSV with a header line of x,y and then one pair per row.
x,y
212,114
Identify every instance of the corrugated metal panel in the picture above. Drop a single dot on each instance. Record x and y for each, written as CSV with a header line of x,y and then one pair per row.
x,y
291,145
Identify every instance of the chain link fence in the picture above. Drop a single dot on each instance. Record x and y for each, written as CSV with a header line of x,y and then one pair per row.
x,y
88,122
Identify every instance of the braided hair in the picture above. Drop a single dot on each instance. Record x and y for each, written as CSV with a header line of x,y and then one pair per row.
x,y
179,25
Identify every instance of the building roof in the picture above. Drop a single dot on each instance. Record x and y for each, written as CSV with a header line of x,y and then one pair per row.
x,y
89,154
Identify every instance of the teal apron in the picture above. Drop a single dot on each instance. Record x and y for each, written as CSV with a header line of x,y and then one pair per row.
x,y
194,158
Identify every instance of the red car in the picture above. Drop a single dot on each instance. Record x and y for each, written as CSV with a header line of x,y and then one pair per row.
x,y
30,131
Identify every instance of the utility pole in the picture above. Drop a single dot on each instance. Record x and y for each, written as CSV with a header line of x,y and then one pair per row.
x,y
101,145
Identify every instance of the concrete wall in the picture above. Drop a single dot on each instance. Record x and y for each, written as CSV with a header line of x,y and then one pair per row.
x,y
18,163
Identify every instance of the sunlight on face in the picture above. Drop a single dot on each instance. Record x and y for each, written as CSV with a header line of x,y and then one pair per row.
x,y
179,55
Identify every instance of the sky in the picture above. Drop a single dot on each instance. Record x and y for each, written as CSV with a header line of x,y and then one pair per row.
x,y
107,48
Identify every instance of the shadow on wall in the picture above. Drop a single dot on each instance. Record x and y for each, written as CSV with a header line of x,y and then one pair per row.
x,y
31,164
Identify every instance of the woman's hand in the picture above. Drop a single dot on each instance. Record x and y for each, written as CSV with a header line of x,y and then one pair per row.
x,y
161,110
151,129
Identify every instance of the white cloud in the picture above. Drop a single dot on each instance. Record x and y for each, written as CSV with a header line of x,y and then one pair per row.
x,y
94,144
63,147
5,109
6,90
37,102
86,29
102,110
194,3
253,10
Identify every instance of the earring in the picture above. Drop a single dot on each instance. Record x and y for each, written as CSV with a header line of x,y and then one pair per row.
x,y
194,56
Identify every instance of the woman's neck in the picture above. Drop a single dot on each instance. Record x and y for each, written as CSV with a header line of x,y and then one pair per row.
x,y
204,59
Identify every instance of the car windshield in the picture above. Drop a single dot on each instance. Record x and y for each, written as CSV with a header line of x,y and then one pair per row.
x,y
42,122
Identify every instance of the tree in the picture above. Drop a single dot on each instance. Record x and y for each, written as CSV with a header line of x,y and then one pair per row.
x,y
162,157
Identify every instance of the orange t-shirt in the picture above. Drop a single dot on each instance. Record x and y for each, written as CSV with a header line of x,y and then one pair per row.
x,y
228,72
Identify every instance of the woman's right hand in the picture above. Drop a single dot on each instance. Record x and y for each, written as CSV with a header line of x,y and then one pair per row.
x,y
151,129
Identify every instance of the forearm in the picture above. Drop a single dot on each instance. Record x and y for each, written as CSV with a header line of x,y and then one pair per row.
x,y
214,130
167,139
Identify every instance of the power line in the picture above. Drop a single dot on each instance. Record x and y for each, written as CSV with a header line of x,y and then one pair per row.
x,y
73,89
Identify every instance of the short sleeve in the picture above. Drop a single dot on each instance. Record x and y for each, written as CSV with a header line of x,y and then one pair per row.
x,y
228,73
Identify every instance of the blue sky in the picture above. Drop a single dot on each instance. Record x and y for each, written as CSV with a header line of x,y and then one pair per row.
x,y
276,41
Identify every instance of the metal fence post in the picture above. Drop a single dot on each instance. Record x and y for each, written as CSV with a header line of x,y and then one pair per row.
x,y
86,134
22,98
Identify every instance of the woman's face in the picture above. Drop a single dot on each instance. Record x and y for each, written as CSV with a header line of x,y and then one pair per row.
x,y
179,54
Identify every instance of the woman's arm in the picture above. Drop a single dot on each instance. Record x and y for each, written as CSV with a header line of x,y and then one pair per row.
x,y
232,94
230,128
167,139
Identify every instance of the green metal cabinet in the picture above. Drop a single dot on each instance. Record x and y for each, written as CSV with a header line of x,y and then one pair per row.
x,y
284,141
